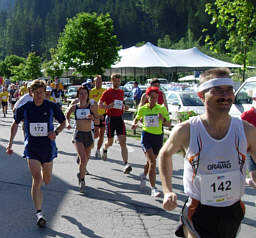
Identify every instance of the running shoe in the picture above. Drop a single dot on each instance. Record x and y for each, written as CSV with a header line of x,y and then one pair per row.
x,y
82,186
40,219
104,155
127,169
97,154
155,192
142,180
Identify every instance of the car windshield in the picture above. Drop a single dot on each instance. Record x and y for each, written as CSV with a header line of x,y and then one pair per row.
x,y
244,96
190,99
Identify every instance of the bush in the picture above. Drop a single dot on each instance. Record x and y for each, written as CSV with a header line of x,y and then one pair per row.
x,y
183,116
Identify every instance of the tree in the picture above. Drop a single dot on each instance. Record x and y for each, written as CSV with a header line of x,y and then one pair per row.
x,y
238,18
88,44
32,67
8,63
53,68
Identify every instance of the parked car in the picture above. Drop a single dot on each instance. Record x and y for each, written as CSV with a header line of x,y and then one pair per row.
x,y
182,102
71,93
243,97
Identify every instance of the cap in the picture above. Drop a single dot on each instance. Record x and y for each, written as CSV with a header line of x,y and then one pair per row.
x,y
48,89
152,89
89,81
29,84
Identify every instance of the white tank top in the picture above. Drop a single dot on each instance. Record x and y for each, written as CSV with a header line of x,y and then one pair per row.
x,y
214,170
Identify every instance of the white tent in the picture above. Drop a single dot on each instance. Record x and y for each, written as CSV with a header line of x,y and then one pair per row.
x,y
149,58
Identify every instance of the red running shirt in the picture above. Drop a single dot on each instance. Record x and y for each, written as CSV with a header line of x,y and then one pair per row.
x,y
110,96
249,116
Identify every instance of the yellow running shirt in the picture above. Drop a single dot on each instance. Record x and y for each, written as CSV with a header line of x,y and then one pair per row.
x,y
4,96
95,94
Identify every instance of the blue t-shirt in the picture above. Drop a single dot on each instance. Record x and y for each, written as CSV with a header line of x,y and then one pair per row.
x,y
38,121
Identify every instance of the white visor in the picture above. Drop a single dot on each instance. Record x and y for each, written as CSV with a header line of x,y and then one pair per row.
x,y
215,82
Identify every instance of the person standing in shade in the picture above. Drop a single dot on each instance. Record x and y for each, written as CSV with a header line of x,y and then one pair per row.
x,y
214,165
95,95
153,116
137,93
40,135
112,100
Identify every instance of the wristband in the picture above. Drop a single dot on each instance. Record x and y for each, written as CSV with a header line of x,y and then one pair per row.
x,y
56,132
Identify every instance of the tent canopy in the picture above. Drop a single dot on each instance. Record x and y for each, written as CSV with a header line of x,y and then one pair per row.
x,y
152,59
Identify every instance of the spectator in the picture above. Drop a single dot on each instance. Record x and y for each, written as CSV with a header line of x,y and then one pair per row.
x,y
137,93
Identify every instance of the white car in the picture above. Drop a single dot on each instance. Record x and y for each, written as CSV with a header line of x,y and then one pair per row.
x,y
182,102
243,97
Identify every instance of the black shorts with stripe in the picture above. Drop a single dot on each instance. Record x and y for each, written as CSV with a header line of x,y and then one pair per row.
x,y
115,124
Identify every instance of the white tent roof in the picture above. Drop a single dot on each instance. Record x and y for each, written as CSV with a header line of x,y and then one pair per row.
x,y
153,59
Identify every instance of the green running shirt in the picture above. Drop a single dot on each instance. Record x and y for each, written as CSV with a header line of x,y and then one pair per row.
x,y
151,122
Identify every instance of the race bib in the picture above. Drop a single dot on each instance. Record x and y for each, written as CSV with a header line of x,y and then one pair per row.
x,y
219,188
152,121
82,113
4,97
14,99
38,129
118,104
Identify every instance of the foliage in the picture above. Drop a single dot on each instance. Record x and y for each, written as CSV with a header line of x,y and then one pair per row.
x,y
18,73
88,44
239,21
32,69
8,63
183,116
53,67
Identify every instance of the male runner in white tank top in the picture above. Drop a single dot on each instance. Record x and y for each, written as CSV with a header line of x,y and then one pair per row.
x,y
214,165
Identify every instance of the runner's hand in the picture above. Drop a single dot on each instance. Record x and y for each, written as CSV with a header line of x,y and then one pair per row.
x,y
51,135
134,126
69,126
170,201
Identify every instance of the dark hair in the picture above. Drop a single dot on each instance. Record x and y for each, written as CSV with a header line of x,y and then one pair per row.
x,y
81,88
154,81
136,82
115,76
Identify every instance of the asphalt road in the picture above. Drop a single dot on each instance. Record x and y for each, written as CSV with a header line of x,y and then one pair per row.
x,y
114,205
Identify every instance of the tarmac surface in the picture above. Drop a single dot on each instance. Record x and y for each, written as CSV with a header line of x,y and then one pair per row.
x,y
113,205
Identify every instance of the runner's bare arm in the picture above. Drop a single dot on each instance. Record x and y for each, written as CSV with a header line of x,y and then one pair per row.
x,y
143,100
68,113
250,132
178,139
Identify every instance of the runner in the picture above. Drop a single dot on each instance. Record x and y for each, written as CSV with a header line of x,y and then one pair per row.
x,y
161,97
40,147
214,171
154,116
250,116
83,137
48,94
4,96
112,100
95,95
13,95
